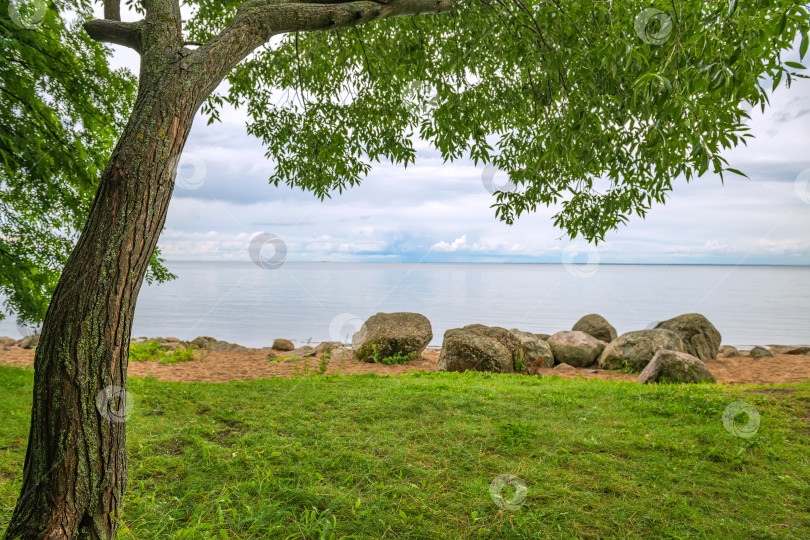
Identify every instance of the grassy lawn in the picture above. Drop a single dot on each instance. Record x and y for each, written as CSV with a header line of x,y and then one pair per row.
x,y
413,457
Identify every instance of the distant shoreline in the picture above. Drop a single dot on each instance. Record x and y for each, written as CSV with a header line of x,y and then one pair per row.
x,y
485,263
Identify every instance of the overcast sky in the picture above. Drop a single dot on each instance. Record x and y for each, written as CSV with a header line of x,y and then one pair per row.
x,y
436,212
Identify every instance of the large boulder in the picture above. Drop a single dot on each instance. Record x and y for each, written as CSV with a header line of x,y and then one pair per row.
x,y
390,334
280,344
5,340
467,348
759,352
576,349
676,367
596,326
29,342
538,352
700,337
727,351
634,350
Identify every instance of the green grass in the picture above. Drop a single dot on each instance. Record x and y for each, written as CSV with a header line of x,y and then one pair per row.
x,y
150,351
146,351
413,457
394,359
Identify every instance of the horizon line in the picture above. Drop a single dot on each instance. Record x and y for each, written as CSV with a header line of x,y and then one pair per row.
x,y
503,263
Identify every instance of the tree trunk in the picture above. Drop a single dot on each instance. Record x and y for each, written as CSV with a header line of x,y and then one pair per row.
x,y
74,475
75,472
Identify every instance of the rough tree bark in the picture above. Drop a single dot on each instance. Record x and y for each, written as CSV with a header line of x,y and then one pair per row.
x,y
74,476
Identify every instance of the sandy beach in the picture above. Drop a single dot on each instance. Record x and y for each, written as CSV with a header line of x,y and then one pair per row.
x,y
240,365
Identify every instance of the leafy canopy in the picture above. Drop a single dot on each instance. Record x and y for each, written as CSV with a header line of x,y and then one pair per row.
x,y
61,110
596,105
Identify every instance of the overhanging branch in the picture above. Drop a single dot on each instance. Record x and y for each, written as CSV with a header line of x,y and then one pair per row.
x,y
257,21
120,33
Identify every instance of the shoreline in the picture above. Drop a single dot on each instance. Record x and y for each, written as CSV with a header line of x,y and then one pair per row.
x,y
232,362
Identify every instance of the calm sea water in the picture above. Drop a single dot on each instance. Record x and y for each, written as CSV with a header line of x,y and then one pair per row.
x,y
243,303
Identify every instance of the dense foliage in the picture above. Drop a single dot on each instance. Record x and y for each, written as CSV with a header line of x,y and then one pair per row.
x,y
596,105
61,110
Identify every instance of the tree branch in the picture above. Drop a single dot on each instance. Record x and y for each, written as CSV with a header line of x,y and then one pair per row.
x,y
120,33
256,21
112,10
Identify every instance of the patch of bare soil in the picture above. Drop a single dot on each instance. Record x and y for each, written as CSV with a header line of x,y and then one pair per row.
x,y
223,366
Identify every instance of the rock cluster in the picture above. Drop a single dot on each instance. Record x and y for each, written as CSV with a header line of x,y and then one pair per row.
x,y
672,351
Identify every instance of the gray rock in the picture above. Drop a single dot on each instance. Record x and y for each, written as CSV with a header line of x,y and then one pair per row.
x,y
391,334
212,344
29,342
281,344
465,349
783,349
538,352
634,350
5,340
676,367
700,337
304,351
596,326
332,345
727,351
564,367
760,352
577,349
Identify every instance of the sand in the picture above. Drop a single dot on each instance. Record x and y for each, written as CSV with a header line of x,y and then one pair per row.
x,y
223,366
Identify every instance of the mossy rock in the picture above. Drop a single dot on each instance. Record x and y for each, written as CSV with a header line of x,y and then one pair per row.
x,y
576,349
634,350
675,367
390,334
465,349
596,326
700,338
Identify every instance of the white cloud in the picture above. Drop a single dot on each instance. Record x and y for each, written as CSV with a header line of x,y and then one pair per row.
x,y
457,244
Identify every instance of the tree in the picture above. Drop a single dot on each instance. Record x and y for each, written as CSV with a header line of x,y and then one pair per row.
x,y
62,110
564,96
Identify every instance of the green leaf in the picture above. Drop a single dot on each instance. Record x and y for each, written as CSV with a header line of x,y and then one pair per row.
x,y
735,171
